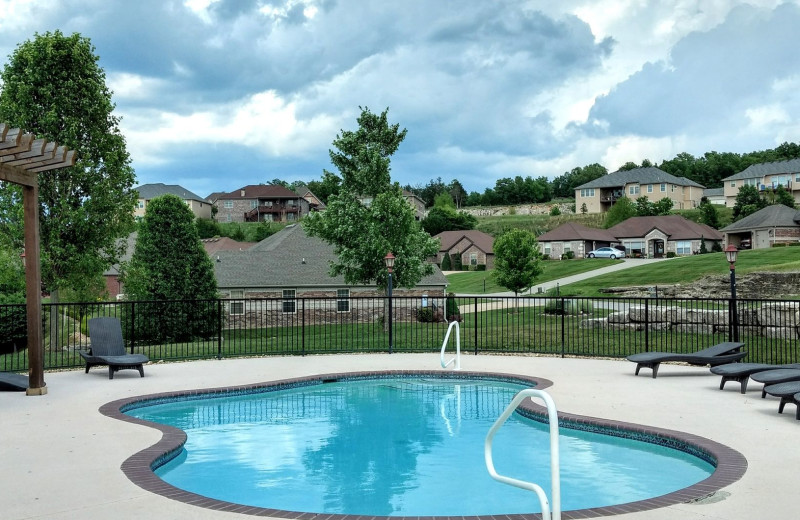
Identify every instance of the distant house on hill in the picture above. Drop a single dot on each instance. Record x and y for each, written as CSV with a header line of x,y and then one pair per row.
x,y
314,202
774,224
260,203
765,176
199,206
473,247
600,194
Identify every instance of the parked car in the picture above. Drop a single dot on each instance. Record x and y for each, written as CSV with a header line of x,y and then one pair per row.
x,y
745,244
606,252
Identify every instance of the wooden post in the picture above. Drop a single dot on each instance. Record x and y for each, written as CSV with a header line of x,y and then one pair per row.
x,y
33,290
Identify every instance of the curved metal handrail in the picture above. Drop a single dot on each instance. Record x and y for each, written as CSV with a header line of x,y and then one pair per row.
x,y
457,359
554,460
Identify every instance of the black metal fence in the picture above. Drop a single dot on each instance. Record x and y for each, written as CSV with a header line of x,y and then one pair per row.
x,y
562,326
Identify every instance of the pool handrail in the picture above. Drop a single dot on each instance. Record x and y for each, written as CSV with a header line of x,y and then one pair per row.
x,y
457,358
552,414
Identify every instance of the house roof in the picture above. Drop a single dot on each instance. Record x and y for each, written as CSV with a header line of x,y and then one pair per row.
x,y
289,258
649,175
212,197
481,240
575,231
674,226
260,191
303,191
714,192
151,191
776,215
212,245
757,171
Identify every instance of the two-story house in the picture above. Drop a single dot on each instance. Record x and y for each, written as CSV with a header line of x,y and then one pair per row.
x,y
260,203
655,184
199,206
765,176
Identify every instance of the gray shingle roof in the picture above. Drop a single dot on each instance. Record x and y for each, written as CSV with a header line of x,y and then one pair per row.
x,y
649,175
575,231
776,215
289,258
674,226
757,171
151,191
713,192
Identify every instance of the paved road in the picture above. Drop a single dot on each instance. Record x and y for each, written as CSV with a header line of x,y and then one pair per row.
x,y
544,287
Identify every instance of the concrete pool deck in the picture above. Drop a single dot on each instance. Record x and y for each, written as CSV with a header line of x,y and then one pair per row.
x,y
61,457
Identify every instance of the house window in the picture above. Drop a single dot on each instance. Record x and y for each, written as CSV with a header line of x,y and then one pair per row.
x,y
633,190
683,247
547,249
289,304
237,307
567,247
141,204
343,300
797,177
228,217
473,259
228,204
733,184
649,188
663,187
587,192
253,204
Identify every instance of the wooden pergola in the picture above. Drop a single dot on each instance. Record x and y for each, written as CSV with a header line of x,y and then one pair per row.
x,y
22,157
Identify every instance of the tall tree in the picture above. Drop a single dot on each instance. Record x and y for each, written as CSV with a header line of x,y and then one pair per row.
x,y
709,215
458,193
748,201
53,87
363,233
517,260
782,196
170,263
623,209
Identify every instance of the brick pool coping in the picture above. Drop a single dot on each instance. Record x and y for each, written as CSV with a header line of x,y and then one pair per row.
x,y
730,464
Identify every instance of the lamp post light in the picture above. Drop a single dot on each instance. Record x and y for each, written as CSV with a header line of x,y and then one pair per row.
x,y
389,261
731,252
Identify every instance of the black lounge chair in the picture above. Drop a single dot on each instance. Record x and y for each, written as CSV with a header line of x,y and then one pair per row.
x,y
772,377
108,348
789,392
741,372
13,382
719,354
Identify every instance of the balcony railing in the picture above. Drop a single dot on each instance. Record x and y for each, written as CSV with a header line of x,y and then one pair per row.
x,y
254,215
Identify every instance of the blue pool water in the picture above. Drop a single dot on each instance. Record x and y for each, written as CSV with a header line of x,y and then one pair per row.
x,y
400,447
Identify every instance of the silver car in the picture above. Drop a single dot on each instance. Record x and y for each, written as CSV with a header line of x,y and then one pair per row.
x,y
606,252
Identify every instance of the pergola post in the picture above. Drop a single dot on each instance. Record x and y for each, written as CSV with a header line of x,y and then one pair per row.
x,y
21,159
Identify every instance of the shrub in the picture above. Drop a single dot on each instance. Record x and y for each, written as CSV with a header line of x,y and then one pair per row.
x,y
512,210
670,254
480,267
457,264
545,257
554,211
779,244
452,311
13,323
425,315
568,306
569,255
716,247
447,265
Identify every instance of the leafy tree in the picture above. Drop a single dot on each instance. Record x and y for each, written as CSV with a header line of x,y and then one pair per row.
x,y
622,210
517,260
644,208
782,196
444,201
207,228
584,209
458,192
564,185
329,185
709,215
362,234
447,219
628,166
748,201
169,263
54,88
663,206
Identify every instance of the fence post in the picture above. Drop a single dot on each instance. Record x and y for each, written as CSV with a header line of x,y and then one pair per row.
x,y
303,327
646,325
219,328
476,325
563,325
133,325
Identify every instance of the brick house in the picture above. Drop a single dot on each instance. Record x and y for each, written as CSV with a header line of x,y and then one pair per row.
x,y
474,247
574,237
260,203
774,224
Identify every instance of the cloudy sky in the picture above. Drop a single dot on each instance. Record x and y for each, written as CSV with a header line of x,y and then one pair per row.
x,y
218,94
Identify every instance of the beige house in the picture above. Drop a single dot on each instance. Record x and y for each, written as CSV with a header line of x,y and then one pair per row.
x,y
655,184
765,177
199,206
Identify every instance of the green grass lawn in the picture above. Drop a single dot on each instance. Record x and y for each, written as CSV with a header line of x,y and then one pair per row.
x,y
689,269
479,282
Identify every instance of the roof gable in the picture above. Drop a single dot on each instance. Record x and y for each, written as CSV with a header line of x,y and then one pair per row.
x,y
575,231
648,175
757,171
674,226
151,191
481,240
776,215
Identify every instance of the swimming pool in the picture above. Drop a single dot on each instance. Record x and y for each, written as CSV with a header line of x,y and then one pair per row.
x,y
403,450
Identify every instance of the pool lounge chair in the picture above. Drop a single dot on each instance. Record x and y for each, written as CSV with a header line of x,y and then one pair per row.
x,y
719,354
741,372
108,348
13,382
789,392
772,377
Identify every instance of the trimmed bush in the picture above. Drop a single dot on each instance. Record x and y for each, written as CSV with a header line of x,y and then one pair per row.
x,y
452,311
670,254
481,267
447,265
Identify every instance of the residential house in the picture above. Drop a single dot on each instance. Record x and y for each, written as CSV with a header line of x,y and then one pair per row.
x,y
600,194
114,286
574,237
474,247
314,202
654,237
715,196
765,176
199,206
774,224
261,203
417,204
291,264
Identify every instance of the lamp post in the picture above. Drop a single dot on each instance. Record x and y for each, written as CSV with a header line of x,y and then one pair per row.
x,y
389,261
731,252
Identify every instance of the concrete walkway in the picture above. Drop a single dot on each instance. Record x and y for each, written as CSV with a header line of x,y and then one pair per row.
x,y
552,284
61,458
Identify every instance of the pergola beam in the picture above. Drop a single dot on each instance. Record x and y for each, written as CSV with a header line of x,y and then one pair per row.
x,y
21,158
